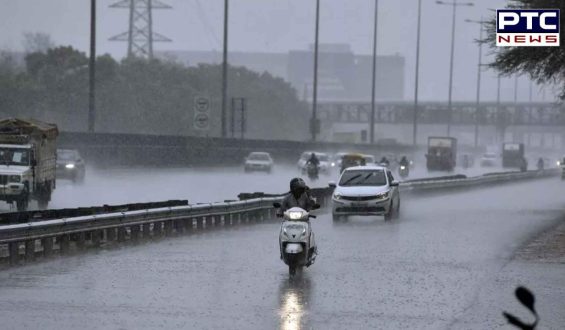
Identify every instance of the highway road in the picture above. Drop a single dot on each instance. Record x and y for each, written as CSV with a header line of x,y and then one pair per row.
x,y
447,263
130,185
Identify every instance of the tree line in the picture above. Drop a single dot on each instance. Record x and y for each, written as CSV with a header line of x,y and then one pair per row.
x,y
145,96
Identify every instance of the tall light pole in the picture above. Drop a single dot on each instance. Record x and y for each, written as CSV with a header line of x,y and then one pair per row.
x,y
373,89
498,112
313,122
225,72
92,69
479,67
454,5
417,76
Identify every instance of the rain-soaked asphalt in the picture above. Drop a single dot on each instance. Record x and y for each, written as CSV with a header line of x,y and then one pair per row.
x,y
447,263
127,185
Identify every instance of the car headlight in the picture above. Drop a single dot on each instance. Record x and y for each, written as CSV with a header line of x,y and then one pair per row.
x,y
337,196
333,164
70,166
295,215
558,163
383,195
15,178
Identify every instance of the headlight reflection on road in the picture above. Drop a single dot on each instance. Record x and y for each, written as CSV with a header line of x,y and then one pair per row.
x,y
291,311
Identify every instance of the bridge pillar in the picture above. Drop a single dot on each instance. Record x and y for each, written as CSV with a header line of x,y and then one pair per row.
x,y
168,227
157,228
189,225
200,223
179,226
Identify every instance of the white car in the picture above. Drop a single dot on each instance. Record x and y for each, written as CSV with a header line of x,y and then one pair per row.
x,y
322,157
366,191
259,161
489,160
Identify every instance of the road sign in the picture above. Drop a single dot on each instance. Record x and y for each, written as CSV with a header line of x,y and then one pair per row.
x,y
202,103
201,121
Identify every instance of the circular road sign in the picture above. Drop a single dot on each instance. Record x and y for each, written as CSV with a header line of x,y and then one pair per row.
x,y
201,103
201,121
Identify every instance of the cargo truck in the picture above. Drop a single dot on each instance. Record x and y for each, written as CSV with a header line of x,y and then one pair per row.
x,y
27,162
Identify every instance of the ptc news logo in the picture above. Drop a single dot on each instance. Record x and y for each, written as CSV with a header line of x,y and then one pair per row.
x,y
531,28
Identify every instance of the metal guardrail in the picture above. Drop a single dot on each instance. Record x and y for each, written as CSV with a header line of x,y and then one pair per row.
x,y
27,240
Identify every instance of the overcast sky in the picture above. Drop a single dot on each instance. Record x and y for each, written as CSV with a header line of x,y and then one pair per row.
x,y
282,25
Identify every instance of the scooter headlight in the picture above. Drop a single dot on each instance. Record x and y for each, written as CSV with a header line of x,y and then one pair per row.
x,y
402,167
295,215
70,166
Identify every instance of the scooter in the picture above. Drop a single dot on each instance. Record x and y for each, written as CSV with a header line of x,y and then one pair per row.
x,y
312,170
296,239
403,171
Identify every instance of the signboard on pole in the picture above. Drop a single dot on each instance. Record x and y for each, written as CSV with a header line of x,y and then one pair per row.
x,y
201,108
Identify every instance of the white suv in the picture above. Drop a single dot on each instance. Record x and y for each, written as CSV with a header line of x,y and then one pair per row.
x,y
365,191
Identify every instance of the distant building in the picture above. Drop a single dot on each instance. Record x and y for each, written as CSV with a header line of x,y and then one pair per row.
x,y
342,75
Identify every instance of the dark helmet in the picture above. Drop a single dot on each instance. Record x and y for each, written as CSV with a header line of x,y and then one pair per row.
x,y
297,185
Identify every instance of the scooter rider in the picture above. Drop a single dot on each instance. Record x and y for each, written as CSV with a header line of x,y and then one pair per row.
x,y
404,162
384,161
299,196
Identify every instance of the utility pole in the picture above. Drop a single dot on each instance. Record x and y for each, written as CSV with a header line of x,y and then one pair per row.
x,y
417,77
92,69
373,89
313,122
479,67
453,4
225,71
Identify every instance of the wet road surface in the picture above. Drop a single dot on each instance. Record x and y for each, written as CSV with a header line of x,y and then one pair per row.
x,y
447,263
119,186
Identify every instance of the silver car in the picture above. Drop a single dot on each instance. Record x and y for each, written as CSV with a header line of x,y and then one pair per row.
x,y
366,191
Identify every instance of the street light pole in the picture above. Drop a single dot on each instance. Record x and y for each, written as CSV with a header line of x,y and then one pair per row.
x,y
481,22
225,72
417,76
373,90
454,4
313,122
92,69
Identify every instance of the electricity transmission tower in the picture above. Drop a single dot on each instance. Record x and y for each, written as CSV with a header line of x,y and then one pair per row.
x,y
140,36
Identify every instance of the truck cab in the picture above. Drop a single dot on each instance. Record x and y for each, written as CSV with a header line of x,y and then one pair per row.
x,y
27,162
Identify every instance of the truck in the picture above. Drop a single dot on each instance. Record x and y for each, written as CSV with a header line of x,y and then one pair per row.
x,y
513,155
442,153
28,160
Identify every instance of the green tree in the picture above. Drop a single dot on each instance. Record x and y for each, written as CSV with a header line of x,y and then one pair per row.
x,y
543,64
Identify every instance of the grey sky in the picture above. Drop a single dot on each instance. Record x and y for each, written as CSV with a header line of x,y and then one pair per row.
x,y
280,25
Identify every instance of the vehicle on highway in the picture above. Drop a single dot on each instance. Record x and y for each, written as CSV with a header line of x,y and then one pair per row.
x,y
352,160
70,165
366,191
312,170
370,159
442,153
259,161
323,158
513,155
489,159
297,243
27,161
336,159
